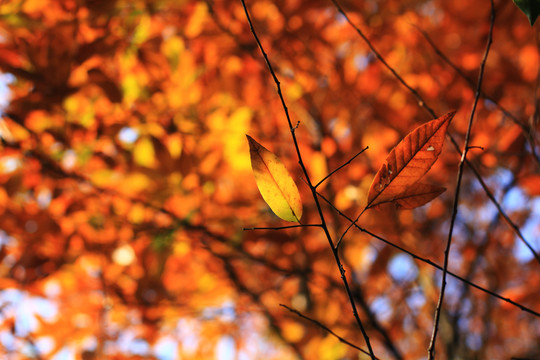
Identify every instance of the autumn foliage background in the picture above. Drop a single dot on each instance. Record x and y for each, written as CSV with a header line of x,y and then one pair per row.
x,y
126,180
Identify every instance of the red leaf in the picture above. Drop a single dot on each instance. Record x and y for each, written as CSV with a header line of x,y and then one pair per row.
x,y
417,195
409,161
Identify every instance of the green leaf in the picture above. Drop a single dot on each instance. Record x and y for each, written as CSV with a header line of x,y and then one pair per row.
x,y
531,8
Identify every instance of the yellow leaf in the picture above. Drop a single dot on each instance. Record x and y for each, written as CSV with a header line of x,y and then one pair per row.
x,y
142,31
274,182
136,214
34,6
174,145
104,178
317,167
172,48
234,150
135,183
143,153
196,21
131,88
331,349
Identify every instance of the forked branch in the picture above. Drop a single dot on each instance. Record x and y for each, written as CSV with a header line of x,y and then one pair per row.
x,y
310,184
425,106
431,263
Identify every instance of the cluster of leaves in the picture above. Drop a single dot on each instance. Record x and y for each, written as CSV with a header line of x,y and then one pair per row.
x,y
126,179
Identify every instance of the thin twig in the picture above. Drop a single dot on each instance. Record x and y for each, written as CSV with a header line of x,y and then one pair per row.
x,y
373,321
510,223
358,291
426,107
223,239
431,348
526,131
282,227
429,262
341,167
479,252
207,232
380,57
310,184
325,328
34,347
350,226
475,147
255,298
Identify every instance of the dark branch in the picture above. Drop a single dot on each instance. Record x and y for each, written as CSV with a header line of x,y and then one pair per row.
x,y
311,187
341,167
325,328
424,105
429,262
526,131
431,348
282,227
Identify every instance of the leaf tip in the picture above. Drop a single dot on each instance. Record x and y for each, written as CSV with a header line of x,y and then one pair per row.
x,y
253,144
450,115
531,8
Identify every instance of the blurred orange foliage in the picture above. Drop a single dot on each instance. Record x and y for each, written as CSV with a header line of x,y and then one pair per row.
x,y
126,182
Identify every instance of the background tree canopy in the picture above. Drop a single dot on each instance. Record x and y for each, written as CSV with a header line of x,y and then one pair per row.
x,y
127,183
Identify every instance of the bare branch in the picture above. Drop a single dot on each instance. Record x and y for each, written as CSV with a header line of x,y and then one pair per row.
x,y
424,105
349,227
282,227
431,348
311,187
526,130
255,297
341,167
429,262
325,328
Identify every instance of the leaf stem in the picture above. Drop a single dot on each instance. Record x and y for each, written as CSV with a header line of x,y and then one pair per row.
x,y
341,167
350,226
